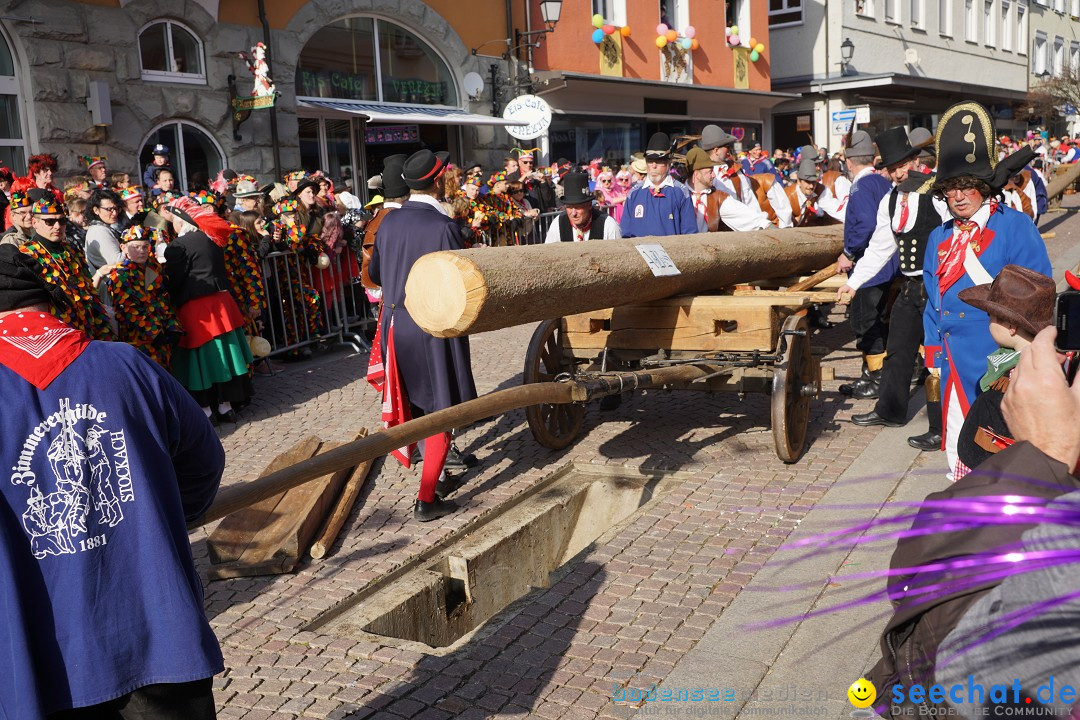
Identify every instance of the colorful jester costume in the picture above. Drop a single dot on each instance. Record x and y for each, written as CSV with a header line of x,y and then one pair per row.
x,y
144,316
301,306
65,268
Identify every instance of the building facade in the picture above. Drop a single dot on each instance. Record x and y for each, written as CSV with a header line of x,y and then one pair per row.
x,y
357,80
896,62
362,79
1055,51
608,98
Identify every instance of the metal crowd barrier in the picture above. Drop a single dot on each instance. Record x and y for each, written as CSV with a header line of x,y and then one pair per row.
x,y
291,322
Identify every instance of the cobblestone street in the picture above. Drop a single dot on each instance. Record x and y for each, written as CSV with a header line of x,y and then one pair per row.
x,y
636,601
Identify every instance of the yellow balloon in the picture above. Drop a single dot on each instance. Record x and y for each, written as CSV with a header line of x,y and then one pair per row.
x,y
598,20
734,29
760,47
661,41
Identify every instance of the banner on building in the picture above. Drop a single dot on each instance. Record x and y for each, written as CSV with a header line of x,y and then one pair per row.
x,y
611,55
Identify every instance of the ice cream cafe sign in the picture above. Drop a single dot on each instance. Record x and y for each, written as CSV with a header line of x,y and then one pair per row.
x,y
529,109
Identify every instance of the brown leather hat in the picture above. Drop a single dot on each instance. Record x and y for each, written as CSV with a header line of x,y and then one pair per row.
x,y
697,159
1021,296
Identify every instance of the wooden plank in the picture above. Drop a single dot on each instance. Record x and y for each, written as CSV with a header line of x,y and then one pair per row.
x,y
234,533
276,545
334,522
814,296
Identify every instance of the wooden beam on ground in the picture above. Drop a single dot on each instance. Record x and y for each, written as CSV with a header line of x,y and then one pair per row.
x,y
460,292
270,536
342,508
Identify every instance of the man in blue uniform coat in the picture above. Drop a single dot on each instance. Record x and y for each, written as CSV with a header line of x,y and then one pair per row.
x,y
984,236
105,456
659,206
866,313
434,373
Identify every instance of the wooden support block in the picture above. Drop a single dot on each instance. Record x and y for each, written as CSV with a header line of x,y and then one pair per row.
x,y
269,537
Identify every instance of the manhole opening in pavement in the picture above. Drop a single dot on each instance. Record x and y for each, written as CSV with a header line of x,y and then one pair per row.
x,y
446,594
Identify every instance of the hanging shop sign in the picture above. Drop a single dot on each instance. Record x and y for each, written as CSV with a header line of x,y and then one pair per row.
x,y
528,109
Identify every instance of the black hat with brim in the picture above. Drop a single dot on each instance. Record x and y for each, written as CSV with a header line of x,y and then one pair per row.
x,y
894,147
308,182
423,168
576,188
965,148
393,184
659,147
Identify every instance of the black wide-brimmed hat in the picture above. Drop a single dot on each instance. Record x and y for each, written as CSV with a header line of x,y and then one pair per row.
x,y
965,147
576,188
393,184
894,146
659,147
423,168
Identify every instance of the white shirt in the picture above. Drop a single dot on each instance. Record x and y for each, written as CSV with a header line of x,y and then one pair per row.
x,y
883,243
780,205
746,192
834,201
734,214
429,200
612,231
800,196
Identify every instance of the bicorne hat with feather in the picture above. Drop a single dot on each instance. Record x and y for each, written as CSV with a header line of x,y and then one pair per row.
x,y
965,146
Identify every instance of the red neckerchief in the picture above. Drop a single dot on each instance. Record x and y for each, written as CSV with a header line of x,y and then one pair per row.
x,y
701,203
584,231
731,171
903,213
38,347
951,258
656,191
387,380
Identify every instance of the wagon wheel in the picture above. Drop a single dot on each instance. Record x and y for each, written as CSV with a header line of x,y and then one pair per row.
x,y
794,382
553,426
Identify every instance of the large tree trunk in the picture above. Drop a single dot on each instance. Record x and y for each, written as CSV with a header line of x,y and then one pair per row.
x,y
469,291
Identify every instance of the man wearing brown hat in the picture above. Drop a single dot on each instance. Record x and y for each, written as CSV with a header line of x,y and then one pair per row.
x,y
1020,303
716,210
420,373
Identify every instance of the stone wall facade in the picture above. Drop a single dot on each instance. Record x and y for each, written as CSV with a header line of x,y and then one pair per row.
x,y
70,44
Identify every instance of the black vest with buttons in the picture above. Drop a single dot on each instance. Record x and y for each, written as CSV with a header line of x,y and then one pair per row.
x,y
912,244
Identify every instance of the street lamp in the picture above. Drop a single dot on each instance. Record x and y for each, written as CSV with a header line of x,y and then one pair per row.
x,y
550,10
847,51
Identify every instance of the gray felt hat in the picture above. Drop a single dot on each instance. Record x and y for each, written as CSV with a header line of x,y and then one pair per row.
x,y
861,145
808,168
714,136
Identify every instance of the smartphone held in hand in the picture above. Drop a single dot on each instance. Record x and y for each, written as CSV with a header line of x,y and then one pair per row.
x,y
1067,321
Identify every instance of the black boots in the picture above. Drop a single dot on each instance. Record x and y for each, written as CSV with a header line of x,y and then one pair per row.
x,y
428,511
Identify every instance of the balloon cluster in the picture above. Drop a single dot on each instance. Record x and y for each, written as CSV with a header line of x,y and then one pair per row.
x,y
666,35
602,28
756,48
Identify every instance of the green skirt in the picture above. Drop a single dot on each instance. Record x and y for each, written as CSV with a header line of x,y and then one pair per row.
x,y
225,357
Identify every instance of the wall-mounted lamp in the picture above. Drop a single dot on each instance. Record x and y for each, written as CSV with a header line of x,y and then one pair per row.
x,y
847,51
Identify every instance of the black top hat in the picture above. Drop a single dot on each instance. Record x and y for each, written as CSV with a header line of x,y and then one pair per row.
x,y
894,147
576,188
422,169
965,146
659,147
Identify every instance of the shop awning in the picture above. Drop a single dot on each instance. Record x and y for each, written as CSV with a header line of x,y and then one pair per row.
x,y
386,113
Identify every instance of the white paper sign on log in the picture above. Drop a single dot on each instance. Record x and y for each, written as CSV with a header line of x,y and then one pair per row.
x,y
658,260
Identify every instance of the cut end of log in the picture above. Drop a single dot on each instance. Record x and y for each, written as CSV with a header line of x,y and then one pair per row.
x,y
444,293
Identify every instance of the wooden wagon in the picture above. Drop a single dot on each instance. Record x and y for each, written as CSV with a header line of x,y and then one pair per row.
x,y
757,339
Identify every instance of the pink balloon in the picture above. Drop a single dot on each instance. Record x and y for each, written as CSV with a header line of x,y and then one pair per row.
x,y
690,31
661,29
734,40
608,29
